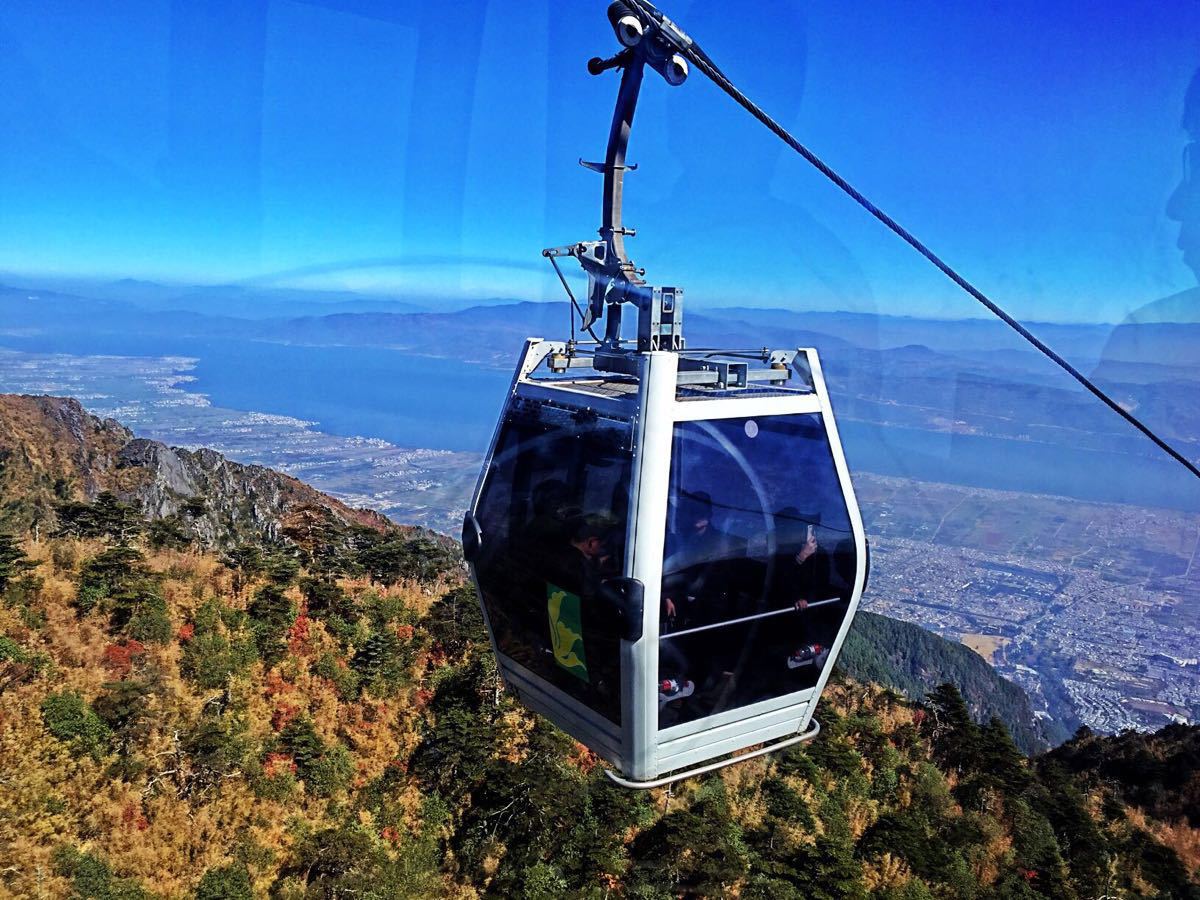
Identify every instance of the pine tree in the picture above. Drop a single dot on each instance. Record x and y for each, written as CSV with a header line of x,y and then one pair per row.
x,y
696,851
954,735
271,615
246,561
324,597
107,516
68,717
168,533
216,649
125,708
302,743
281,568
231,882
382,661
418,559
118,579
999,760
92,878
13,562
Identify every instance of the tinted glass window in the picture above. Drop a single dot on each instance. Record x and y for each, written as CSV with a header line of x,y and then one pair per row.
x,y
553,514
759,563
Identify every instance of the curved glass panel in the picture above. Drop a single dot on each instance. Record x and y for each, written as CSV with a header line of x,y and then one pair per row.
x,y
759,564
553,515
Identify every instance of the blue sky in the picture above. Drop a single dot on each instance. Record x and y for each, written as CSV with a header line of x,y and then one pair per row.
x,y
402,147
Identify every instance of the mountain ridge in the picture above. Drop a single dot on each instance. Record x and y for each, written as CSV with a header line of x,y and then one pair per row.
x,y
914,661
52,451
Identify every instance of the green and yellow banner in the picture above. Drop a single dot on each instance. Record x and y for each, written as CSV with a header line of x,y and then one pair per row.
x,y
566,630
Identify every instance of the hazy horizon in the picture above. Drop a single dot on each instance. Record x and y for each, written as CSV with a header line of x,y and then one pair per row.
x,y
435,303
330,143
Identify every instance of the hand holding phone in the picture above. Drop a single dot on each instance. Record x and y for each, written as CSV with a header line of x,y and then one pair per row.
x,y
810,546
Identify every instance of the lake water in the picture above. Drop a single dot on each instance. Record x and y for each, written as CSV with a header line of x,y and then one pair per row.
x,y
418,402
1144,480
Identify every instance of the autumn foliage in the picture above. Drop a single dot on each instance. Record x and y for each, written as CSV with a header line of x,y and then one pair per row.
x,y
172,725
119,658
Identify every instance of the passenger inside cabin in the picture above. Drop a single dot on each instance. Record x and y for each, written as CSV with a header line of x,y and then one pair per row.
x,y
695,584
802,575
588,537
579,566
538,538
695,592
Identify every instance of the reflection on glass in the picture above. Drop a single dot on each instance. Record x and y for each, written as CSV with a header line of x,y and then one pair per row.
x,y
758,567
553,514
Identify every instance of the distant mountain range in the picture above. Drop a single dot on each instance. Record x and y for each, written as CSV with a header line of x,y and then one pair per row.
x,y
1149,343
914,661
963,401
966,376
290,314
247,301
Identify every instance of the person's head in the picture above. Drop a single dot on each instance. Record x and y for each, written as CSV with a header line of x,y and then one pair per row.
x,y
588,535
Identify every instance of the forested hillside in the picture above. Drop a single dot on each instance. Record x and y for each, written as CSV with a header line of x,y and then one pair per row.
x,y
1158,772
914,661
321,717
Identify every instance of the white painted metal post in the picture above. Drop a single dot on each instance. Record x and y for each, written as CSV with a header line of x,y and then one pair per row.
x,y
652,462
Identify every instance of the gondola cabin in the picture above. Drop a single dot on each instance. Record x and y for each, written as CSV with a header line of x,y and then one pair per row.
x,y
665,540
668,560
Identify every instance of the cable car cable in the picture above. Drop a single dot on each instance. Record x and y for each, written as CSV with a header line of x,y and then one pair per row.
x,y
689,48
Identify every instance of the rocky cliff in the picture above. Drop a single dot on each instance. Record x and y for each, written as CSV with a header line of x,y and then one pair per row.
x,y
52,451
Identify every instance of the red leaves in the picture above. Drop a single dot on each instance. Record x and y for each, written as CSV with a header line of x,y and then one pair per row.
x,y
584,758
278,764
298,635
119,658
187,632
275,684
283,714
404,632
131,816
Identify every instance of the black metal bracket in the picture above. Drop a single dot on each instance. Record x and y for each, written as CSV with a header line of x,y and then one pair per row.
x,y
628,599
472,538
613,279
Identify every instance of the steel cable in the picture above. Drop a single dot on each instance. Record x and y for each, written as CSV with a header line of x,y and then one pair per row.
x,y
701,60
